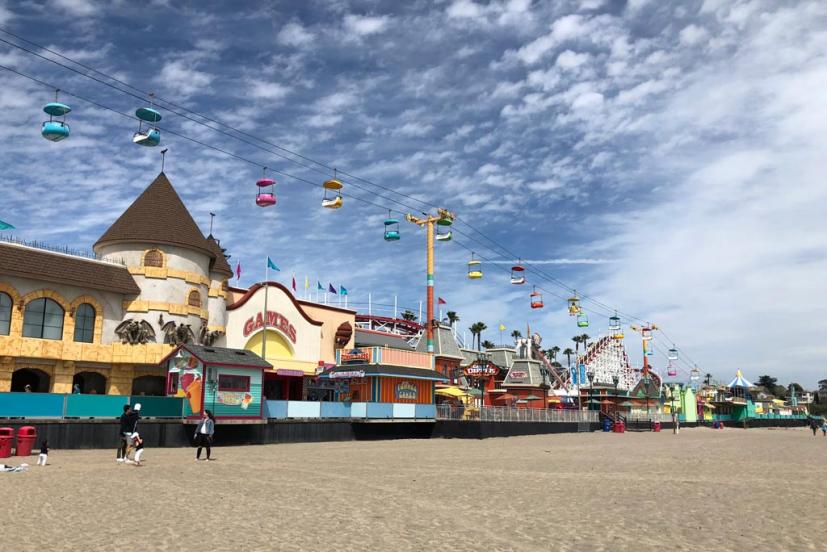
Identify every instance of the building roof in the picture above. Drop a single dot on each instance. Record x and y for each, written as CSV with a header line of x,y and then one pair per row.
x,y
38,264
219,264
157,216
387,370
371,338
525,372
227,357
445,345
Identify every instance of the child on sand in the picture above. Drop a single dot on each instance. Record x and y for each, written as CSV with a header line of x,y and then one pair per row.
x,y
138,445
44,453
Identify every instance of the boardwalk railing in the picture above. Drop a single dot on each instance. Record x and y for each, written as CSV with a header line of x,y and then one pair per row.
x,y
507,414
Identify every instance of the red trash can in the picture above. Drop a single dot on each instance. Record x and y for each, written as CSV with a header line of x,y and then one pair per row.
x,y
656,426
26,436
6,439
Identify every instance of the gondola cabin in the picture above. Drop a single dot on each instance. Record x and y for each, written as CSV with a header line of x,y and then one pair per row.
x,y
442,224
536,299
332,198
518,275
148,134
582,320
646,333
391,229
224,381
474,268
266,195
673,354
55,129
614,323
574,305
671,371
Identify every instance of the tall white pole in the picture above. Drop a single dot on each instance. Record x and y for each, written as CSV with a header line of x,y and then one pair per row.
x,y
264,330
370,305
420,312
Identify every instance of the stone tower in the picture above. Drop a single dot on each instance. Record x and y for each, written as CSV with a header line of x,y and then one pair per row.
x,y
182,275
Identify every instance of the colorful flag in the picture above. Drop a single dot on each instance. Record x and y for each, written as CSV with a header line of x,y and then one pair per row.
x,y
294,283
238,270
5,226
306,282
502,327
271,264
319,286
331,289
342,290
441,301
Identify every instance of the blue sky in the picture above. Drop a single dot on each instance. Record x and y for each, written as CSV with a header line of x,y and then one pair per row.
x,y
665,158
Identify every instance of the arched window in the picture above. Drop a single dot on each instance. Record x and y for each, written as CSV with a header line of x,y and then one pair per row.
x,y
43,319
194,299
5,314
84,323
154,257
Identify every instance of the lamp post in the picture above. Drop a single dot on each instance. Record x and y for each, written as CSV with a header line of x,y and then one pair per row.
x,y
590,375
482,363
616,380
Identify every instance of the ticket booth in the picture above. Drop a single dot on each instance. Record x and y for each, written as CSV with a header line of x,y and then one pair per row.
x,y
228,382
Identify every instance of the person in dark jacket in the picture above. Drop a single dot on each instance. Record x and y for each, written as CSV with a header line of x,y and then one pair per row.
x,y
129,425
204,434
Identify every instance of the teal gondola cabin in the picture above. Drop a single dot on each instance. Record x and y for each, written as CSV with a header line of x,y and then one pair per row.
x,y
225,381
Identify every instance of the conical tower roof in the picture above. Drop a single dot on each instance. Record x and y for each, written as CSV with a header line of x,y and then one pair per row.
x,y
219,264
158,216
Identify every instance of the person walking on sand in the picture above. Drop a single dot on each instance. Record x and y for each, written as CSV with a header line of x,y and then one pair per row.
x,y
138,445
122,434
204,434
814,426
129,425
824,428
44,453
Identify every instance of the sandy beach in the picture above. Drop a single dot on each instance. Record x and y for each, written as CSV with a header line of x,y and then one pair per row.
x,y
702,490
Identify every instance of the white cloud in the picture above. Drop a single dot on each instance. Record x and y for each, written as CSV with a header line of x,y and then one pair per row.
x,y
180,77
462,9
77,7
267,90
571,60
294,34
693,34
587,100
414,129
366,25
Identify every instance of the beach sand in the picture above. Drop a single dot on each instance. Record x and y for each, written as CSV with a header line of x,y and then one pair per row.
x,y
734,489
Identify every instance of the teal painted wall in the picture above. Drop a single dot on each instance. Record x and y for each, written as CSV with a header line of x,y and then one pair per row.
x,y
232,404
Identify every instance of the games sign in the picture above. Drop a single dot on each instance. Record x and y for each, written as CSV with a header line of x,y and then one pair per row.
x,y
274,320
355,356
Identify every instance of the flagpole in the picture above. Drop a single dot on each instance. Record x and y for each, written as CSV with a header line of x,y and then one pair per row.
x,y
394,314
266,288
420,313
370,305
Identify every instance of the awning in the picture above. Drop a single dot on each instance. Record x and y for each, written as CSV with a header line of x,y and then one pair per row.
x,y
455,392
504,397
554,399
627,403
286,372
533,398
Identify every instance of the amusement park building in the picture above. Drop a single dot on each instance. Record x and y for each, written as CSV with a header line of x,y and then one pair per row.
x,y
102,324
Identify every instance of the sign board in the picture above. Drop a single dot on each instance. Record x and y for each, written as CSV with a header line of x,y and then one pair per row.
x,y
347,374
355,355
477,371
406,390
274,320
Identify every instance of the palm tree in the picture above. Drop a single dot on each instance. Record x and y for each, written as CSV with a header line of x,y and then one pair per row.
x,y
487,345
516,335
553,352
577,340
476,330
568,352
409,315
453,318
585,339
708,379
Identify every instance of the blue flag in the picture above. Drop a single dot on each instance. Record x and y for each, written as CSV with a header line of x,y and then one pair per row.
x,y
319,286
342,290
331,289
5,226
271,264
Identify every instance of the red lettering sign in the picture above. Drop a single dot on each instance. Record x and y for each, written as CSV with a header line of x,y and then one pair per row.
x,y
274,320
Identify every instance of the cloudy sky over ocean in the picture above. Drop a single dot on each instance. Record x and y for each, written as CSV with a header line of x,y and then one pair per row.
x,y
666,159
